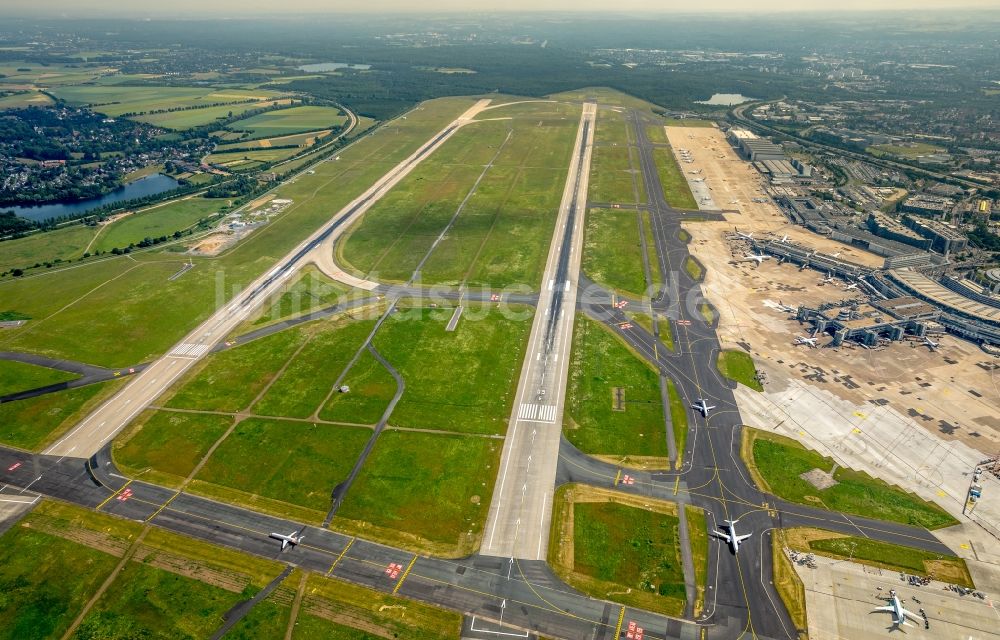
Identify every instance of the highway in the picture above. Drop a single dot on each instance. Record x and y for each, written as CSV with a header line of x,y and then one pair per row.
x,y
113,415
520,512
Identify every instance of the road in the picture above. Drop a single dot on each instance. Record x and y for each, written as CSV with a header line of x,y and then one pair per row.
x,y
108,419
520,511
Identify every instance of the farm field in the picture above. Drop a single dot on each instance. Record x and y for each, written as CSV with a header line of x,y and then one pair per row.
x,y
52,75
22,100
501,235
620,547
89,310
288,121
191,118
777,462
601,364
116,100
19,376
299,139
239,159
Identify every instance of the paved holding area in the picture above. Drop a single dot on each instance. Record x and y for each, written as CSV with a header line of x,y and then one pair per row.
x,y
521,509
840,598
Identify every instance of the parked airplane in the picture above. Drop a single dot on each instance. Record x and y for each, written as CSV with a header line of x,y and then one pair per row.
x,y
702,406
758,259
803,340
784,307
292,538
784,239
745,236
828,279
895,607
930,344
853,285
731,537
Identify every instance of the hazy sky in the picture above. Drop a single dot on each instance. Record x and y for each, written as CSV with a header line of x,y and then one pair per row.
x,y
237,7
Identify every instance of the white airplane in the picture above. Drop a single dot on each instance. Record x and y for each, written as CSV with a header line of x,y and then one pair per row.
x,y
731,537
745,236
292,538
784,239
930,344
853,285
829,278
835,255
899,613
703,407
758,259
784,307
803,340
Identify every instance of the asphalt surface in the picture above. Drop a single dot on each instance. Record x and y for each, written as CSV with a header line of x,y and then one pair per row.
x,y
520,511
89,374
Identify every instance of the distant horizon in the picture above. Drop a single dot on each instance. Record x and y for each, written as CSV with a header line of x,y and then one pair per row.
x,y
225,8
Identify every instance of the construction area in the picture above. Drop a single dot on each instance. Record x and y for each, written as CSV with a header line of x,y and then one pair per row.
x,y
868,374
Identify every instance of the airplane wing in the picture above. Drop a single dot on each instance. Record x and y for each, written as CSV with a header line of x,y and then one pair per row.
x,y
909,614
887,609
284,543
724,536
742,538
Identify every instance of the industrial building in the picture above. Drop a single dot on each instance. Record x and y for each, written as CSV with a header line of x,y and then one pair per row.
x,y
943,238
885,226
868,323
754,148
926,205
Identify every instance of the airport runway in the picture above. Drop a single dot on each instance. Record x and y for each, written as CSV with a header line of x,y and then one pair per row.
x,y
520,512
108,419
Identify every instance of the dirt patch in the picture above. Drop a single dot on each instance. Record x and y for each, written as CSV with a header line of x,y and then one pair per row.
x,y
261,201
228,580
214,244
337,613
819,479
88,538
798,538
636,462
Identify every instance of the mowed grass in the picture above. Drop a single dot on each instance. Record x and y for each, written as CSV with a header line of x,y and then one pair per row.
x,y
293,120
117,312
20,376
191,118
67,243
230,380
678,420
166,446
738,366
309,291
461,380
298,139
236,158
381,615
599,364
45,582
37,422
154,222
423,491
619,548
612,253
116,100
147,602
614,177
675,187
502,235
698,534
780,461
372,387
294,462
309,378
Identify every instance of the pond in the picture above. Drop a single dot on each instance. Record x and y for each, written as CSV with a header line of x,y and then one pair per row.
x,y
148,186
726,99
333,66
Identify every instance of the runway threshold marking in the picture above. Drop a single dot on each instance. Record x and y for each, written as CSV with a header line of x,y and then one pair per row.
x,y
403,577
621,619
113,495
341,556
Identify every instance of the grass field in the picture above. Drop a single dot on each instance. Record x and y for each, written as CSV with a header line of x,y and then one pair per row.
x,y
614,175
612,253
116,100
154,222
24,99
788,584
292,462
191,118
678,420
694,269
293,120
470,386
166,446
65,244
372,388
502,235
425,492
780,461
45,582
90,313
738,366
675,187
47,75
610,547
599,364
18,376
384,615
305,384
257,155
913,150
36,422
231,380
893,557
298,139
698,533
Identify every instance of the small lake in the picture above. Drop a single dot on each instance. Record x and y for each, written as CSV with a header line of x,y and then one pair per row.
x,y
726,99
333,66
148,186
